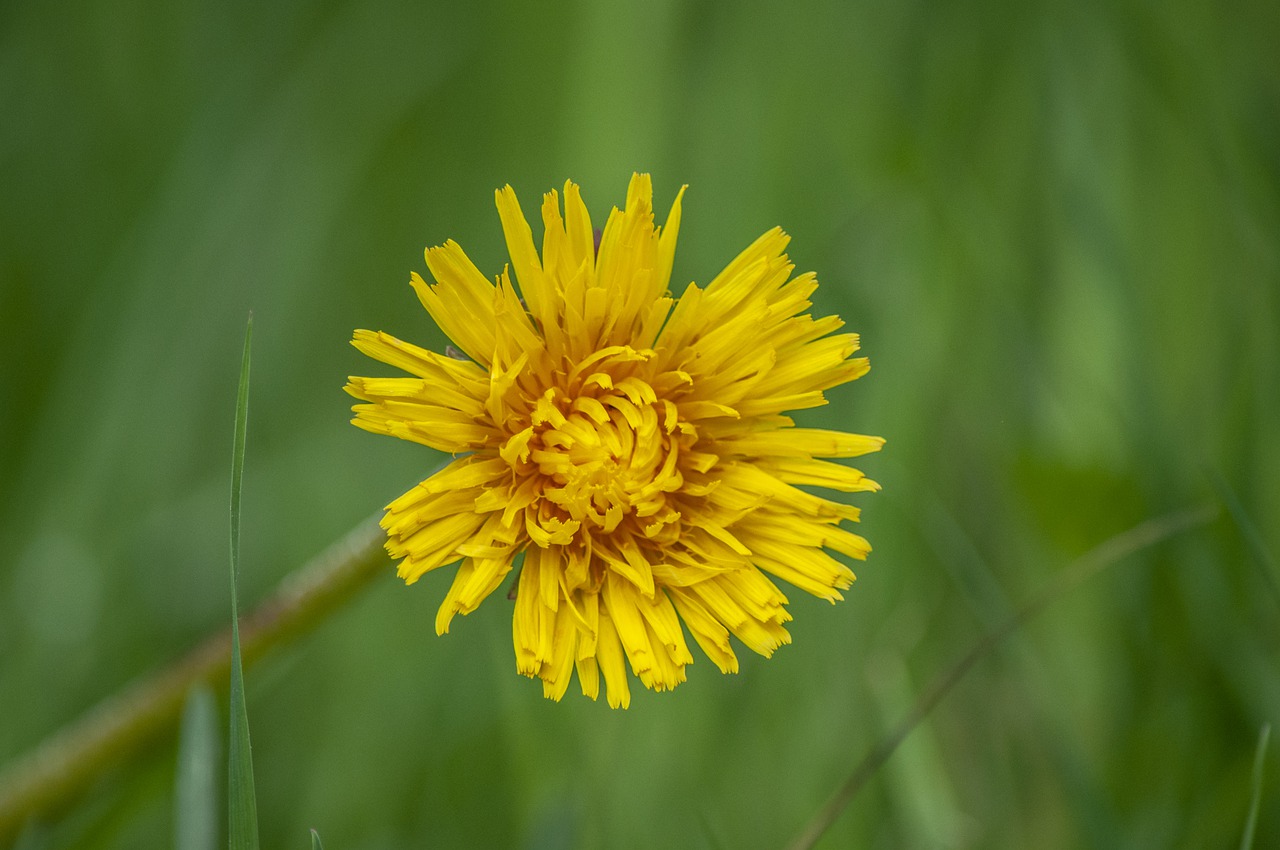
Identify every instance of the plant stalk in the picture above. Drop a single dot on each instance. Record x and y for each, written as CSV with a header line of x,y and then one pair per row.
x,y
45,780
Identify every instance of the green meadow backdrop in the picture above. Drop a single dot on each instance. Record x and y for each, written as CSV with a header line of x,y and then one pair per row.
x,y
1056,226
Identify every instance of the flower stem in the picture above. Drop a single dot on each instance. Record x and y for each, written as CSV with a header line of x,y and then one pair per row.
x,y
36,785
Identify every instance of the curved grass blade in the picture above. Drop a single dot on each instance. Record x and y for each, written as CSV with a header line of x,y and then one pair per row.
x,y
1252,537
1110,551
195,815
1259,759
242,805
315,841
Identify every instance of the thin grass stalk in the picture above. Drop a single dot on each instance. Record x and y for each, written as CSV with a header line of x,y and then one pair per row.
x,y
1109,552
242,799
1255,793
47,779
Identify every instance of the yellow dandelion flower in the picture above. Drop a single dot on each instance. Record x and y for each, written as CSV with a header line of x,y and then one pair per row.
x,y
632,446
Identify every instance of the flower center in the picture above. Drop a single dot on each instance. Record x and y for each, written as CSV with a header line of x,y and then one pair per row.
x,y
605,458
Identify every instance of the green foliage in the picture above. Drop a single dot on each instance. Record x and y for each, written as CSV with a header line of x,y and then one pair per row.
x,y
31,838
195,799
1054,225
242,803
1255,798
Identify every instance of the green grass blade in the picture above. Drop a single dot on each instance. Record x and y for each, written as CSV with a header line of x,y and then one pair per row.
x,y
1109,552
1259,759
713,840
242,806
1252,537
315,841
32,837
195,816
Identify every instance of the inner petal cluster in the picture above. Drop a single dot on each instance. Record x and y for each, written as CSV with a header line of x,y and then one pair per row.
x,y
608,455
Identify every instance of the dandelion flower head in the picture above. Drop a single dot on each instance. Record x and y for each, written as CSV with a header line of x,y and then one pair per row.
x,y
629,448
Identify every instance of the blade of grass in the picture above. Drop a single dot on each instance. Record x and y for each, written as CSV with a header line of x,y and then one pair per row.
x,y
1252,537
713,840
315,841
1255,802
49,777
1126,543
33,837
242,805
196,798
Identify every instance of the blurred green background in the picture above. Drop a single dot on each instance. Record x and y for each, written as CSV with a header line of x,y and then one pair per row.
x,y
1056,226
